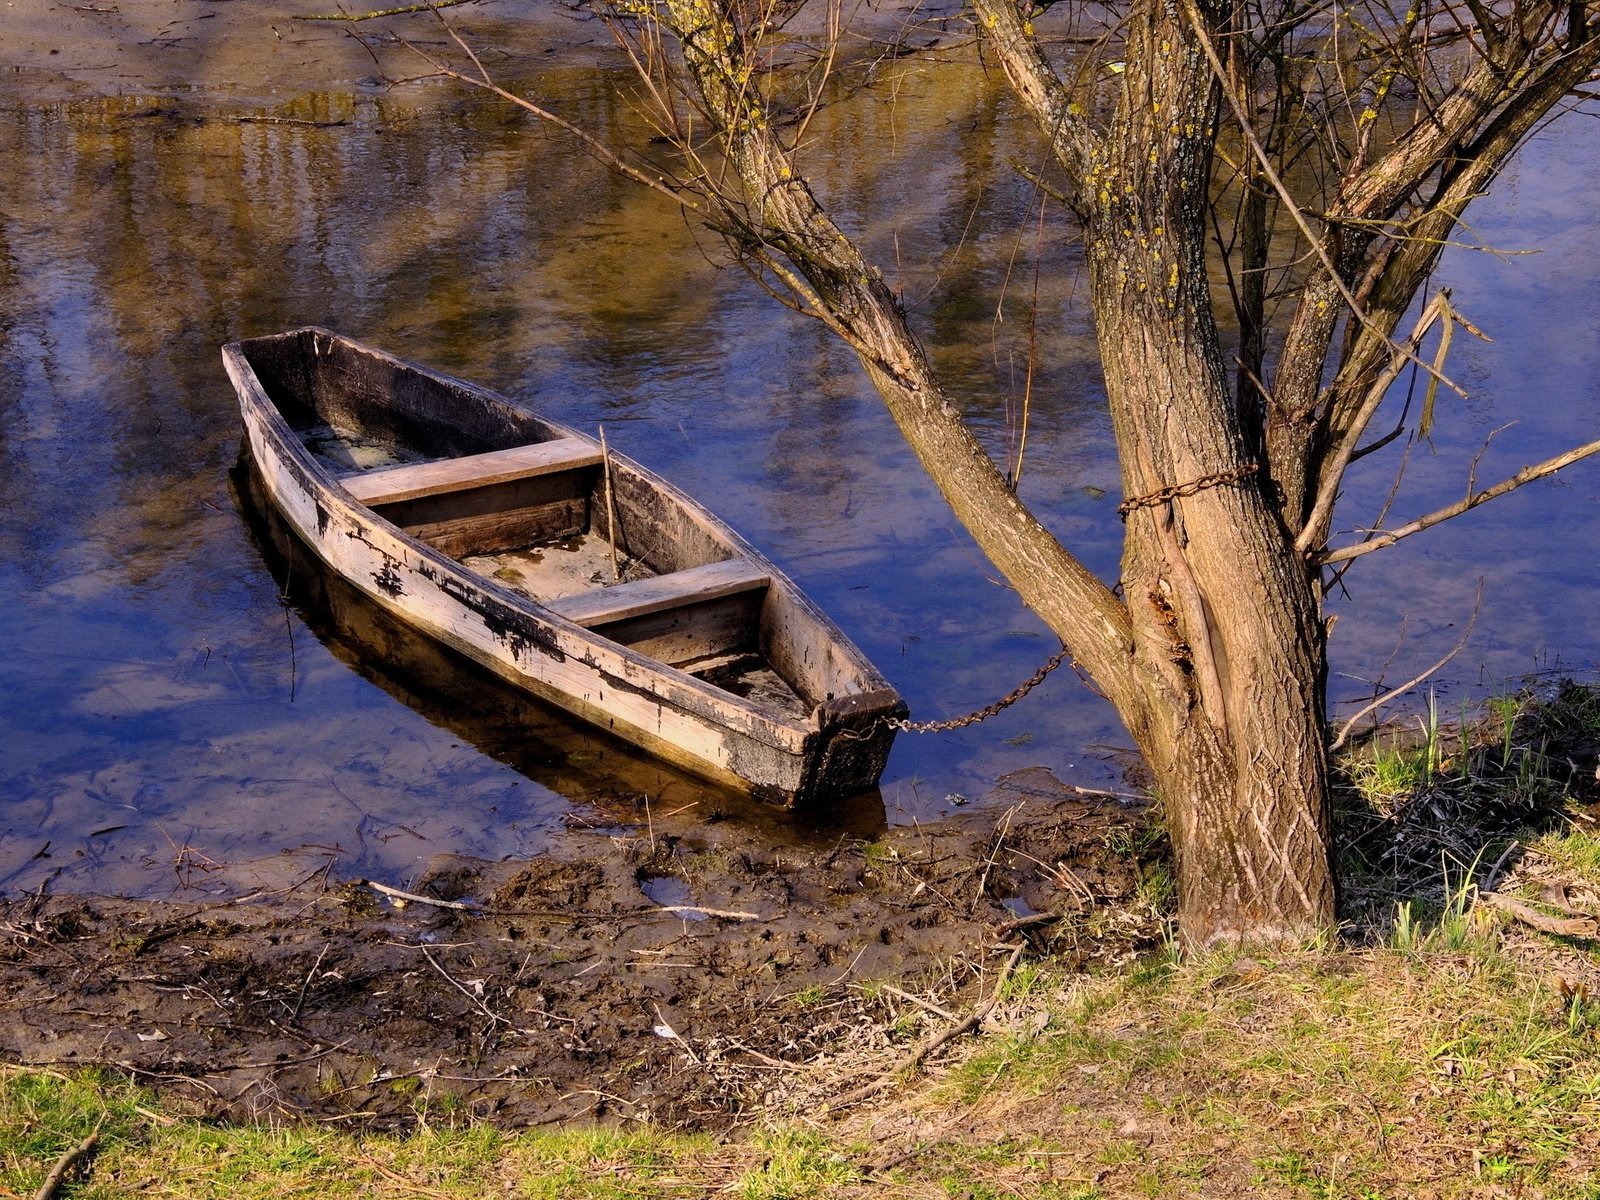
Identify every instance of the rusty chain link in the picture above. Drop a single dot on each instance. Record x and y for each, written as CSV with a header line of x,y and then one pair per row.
x,y
982,714
1178,490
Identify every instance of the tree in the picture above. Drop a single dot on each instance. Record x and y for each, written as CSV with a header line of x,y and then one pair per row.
x,y
1312,158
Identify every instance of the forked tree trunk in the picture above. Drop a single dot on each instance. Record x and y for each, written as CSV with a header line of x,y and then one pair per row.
x,y
1229,642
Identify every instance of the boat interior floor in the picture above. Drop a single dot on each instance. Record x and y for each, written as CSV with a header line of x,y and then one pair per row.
x,y
568,567
342,450
575,566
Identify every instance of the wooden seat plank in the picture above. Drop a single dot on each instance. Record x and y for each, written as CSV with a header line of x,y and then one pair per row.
x,y
411,481
620,601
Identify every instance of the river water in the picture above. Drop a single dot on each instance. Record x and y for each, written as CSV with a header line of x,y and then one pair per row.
x,y
182,708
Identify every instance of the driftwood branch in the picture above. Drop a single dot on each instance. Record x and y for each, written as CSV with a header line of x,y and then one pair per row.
x,y
1528,474
1573,926
58,1173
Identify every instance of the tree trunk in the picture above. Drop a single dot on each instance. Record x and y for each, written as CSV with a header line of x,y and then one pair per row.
x,y
1228,637
1229,646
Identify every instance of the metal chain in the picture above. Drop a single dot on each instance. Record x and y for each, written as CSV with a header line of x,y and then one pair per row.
x,y
1004,702
1178,490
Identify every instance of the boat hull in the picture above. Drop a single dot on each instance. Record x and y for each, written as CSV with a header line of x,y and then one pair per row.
x,y
838,748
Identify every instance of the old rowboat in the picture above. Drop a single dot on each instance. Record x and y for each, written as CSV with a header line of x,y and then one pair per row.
x,y
494,530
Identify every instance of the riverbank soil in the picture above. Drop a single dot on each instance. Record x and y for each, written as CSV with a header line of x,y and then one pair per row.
x,y
680,979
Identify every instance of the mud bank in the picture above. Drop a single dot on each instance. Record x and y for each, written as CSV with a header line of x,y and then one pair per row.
x,y
677,979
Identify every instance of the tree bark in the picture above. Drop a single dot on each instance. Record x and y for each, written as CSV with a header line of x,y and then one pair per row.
x,y
1229,653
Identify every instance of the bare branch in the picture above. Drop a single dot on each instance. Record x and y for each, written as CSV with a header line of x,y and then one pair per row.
x,y
1400,269
1334,468
780,214
1528,474
591,144
1038,86
1318,244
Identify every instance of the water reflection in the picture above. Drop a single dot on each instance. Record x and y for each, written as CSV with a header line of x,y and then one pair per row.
x,y
153,722
150,691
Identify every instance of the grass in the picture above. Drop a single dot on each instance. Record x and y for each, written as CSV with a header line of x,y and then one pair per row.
x,y
1444,1051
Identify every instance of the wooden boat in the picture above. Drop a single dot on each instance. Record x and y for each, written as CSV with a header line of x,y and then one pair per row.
x,y
494,530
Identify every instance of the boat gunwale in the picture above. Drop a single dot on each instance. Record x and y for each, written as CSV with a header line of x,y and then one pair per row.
x,y
785,734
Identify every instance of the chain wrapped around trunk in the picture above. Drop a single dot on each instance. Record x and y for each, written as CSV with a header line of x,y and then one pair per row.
x,y
1194,486
982,714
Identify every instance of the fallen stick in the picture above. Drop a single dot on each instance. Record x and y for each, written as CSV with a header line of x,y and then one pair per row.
x,y
58,1173
413,898
448,978
927,1004
725,914
1574,926
929,1044
1038,918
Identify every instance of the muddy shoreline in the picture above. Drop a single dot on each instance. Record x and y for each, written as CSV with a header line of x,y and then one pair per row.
x,y
683,980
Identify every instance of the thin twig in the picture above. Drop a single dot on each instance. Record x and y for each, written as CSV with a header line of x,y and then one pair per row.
x,y
1318,245
1027,922
927,1004
994,853
1396,692
413,898
276,1063
931,1043
1493,877
484,1008
1389,537
301,121
592,145
306,983
664,1029
394,1176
